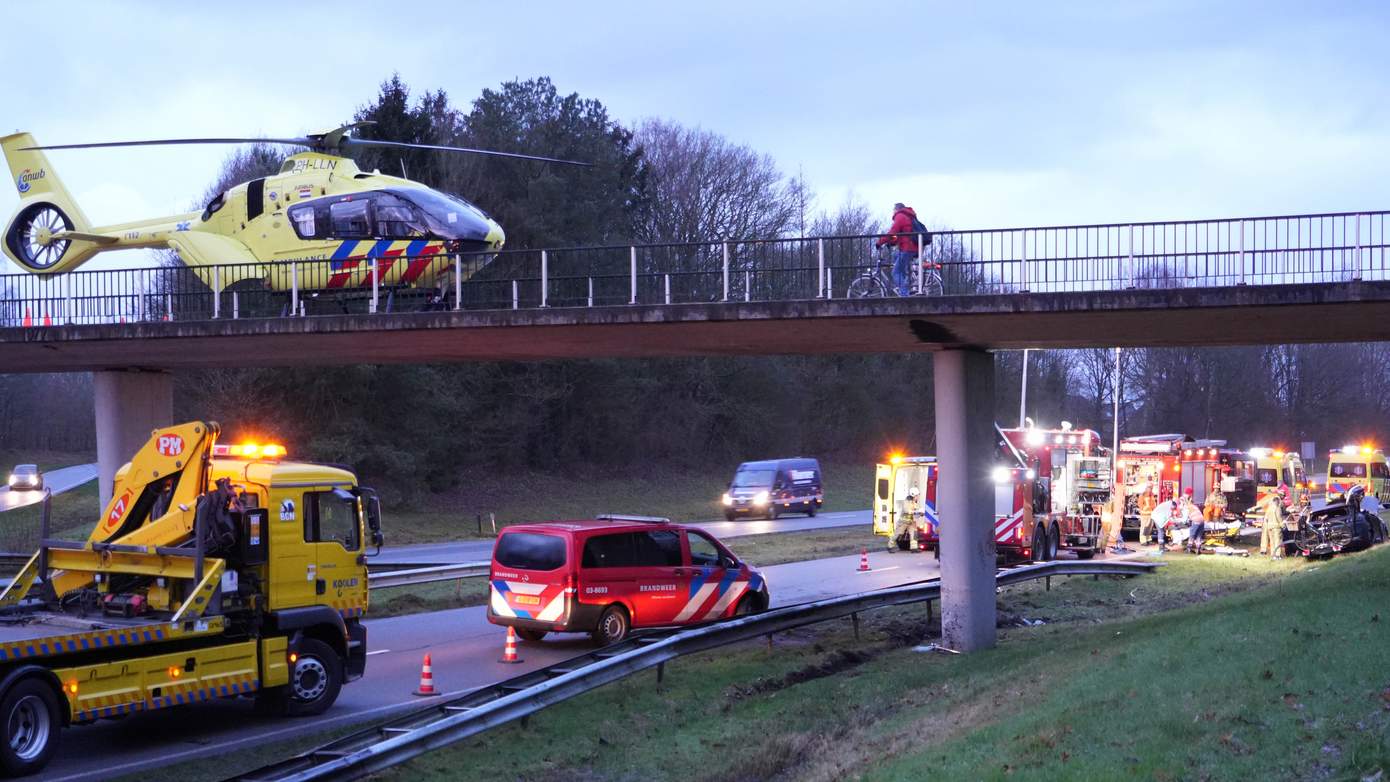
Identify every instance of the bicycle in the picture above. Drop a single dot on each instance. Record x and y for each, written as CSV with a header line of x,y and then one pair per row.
x,y
876,280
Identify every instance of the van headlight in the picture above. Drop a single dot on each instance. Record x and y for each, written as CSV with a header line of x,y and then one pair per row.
x,y
728,500
760,498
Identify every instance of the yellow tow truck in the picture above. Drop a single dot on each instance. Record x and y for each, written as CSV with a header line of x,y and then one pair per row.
x,y
215,571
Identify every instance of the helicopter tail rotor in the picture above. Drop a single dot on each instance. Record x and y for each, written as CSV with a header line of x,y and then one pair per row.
x,y
45,208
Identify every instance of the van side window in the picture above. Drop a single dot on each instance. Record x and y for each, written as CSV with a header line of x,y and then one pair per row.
x,y
1379,470
331,517
703,552
614,550
883,488
658,548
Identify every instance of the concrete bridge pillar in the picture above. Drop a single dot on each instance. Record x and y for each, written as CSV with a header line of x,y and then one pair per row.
x,y
129,405
965,445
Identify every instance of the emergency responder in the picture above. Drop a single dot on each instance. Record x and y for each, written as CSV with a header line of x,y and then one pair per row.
x,y
1272,536
1147,504
1163,517
1214,509
906,522
1191,515
1112,519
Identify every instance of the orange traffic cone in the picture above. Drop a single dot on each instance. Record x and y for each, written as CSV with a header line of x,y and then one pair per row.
x,y
509,651
426,679
863,560
28,318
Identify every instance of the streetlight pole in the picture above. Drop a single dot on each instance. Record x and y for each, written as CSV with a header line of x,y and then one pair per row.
x,y
1115,434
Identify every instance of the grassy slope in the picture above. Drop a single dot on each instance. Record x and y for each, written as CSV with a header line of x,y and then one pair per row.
x,y
529,496
1216,669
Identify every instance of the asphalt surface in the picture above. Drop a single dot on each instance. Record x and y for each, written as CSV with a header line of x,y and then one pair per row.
x,y
479,550
464,648
57,481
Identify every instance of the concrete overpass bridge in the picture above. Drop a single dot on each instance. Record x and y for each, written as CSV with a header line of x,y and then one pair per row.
x,y
1266,280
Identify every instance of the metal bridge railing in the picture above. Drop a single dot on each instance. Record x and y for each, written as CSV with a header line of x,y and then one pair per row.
x,y
1301,249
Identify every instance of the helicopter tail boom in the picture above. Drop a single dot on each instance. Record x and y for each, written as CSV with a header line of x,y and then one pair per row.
x,y
45,209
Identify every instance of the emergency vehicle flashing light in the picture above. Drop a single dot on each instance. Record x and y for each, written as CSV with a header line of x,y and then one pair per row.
x,y
250,451
1001,474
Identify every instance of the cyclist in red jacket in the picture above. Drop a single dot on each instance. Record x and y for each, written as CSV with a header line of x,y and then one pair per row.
x,y
904,241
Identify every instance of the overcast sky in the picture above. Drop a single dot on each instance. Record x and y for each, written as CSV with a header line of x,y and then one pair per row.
x,y
981,115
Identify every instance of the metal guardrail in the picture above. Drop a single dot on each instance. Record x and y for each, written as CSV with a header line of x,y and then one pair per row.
x,y
425,575
1315,248
399,739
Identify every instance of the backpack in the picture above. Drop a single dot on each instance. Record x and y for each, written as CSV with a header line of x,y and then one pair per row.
x,y
918,228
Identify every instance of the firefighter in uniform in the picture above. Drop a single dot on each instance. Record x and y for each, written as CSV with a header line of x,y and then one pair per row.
x,y
1147,504
1272,537
1214,509
906,523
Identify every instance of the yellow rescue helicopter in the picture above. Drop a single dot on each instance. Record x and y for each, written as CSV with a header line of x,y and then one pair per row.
x,y
319,208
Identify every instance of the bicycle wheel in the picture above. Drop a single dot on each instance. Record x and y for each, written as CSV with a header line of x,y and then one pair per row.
x,y
931,284
866,286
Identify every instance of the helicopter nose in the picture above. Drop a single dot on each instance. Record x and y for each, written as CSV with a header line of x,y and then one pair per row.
x,y
496,237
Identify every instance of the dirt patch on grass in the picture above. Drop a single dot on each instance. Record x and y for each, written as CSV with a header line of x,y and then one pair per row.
x,y
836,662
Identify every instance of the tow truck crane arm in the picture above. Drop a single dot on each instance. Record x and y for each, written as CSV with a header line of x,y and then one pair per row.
x,y
153,507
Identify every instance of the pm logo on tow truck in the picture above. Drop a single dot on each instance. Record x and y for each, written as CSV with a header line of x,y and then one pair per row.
x,y
169,445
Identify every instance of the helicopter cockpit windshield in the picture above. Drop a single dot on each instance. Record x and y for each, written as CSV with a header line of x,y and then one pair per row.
x,y
446,216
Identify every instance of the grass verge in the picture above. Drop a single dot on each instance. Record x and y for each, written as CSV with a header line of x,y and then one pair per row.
x,y
534,496
1216,668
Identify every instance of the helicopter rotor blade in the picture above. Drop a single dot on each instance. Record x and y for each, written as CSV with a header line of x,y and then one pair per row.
x,y
298,142
350,142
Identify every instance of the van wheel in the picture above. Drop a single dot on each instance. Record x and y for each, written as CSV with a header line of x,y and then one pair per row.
x,y
612,626
747,606
30,712
772,512
811,510
728,516
530,635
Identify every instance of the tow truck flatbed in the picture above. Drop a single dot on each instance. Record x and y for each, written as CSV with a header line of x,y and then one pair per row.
x,y
26,635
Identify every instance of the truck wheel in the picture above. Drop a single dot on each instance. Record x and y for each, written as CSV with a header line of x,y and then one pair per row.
x,y
1053,536
30,712
1085,553
315,680
730,516
531,635
1039,544
612,626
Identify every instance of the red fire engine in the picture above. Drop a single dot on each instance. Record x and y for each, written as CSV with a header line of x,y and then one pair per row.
x,y
1170,464
1050,495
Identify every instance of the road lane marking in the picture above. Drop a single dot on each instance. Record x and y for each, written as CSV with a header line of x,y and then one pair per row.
x,y
378,651
878,570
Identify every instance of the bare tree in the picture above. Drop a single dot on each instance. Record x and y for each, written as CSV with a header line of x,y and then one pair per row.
x,y
704,187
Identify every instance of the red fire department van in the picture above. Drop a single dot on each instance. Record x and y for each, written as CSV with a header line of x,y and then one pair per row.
x,y
614,573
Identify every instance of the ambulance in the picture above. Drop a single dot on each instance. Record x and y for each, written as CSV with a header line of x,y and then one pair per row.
x,y
1351,465
1275,468
894,481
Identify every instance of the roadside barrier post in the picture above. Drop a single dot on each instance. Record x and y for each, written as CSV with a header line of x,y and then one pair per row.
x,y
854,618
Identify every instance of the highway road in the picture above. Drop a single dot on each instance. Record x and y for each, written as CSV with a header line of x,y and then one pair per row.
x,y
464,648
478,550
56,481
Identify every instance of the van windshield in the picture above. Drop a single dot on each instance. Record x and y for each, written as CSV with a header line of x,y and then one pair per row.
x,y
531,551
753,478
1348,469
